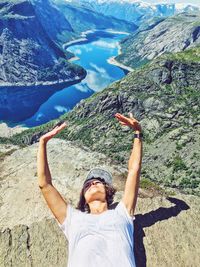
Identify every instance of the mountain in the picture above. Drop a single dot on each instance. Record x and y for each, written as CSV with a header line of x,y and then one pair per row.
x,y
136,11
32,34
83,18
58,28
163,96
28,55
173,34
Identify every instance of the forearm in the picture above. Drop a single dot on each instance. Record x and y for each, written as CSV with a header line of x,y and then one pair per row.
x,y
135,160
43,172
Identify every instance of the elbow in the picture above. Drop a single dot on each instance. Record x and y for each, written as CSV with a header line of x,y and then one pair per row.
x,y
44,186
43,181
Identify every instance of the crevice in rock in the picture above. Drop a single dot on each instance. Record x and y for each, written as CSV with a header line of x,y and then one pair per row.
x,y
28,243
120,103
187,43
196,34
10,238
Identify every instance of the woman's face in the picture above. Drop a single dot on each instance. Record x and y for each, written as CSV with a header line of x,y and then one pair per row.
x,y
94,190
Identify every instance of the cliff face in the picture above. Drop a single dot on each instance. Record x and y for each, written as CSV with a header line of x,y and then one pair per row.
x,y
30,236
28,56
173,34
54,22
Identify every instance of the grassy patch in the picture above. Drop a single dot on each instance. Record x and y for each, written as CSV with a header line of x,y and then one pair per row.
x,y
188,183
190,55
178,164
146,183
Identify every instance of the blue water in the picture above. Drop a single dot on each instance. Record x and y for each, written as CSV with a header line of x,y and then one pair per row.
x,y
32,106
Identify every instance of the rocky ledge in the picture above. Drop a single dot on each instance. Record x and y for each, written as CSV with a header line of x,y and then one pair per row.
x,y
30,236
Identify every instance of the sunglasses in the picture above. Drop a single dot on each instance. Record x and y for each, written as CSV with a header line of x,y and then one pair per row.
x,y
89,183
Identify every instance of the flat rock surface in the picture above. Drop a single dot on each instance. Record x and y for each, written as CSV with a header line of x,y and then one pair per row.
x,y
167,230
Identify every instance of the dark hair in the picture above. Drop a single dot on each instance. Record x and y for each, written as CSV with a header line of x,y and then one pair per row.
x,y
110,192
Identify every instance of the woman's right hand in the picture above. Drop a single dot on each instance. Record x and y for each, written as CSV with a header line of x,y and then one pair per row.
x,y
58,128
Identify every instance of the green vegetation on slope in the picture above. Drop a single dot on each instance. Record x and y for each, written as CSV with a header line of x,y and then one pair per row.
x,y
163,96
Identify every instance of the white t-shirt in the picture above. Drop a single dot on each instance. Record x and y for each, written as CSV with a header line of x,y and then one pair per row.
x,y
99,240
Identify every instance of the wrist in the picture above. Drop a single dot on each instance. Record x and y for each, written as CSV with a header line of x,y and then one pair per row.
x,y
138,131
43,141
138,134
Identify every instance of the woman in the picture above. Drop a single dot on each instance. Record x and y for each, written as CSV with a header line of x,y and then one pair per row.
x,y
97,235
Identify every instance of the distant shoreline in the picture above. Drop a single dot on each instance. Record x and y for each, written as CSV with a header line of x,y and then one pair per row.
x,y
110,60
81,39
83,36
73,59
113,61
59,82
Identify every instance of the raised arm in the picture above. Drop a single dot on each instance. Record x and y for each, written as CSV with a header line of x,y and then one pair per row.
x,y
55,201
134,164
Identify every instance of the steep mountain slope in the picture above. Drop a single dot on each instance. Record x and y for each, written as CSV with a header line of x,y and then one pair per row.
x,y
27,55
82,18
64,21
53,21
164,97
173,34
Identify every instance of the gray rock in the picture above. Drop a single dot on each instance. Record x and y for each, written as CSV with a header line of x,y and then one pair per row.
x,y
30,236
173,34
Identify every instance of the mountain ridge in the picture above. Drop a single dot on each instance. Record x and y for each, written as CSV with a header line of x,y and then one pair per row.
x,y
173,34
136,11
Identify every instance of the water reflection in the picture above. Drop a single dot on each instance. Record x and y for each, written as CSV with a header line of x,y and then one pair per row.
x,y
32,106
19,103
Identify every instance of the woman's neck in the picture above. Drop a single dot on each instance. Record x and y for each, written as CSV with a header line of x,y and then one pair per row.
x,y
97,207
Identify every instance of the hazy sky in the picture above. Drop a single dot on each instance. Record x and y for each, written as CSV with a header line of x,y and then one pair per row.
x,y
194,2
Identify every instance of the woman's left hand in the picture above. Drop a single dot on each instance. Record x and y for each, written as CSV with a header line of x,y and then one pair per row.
x,y
131,122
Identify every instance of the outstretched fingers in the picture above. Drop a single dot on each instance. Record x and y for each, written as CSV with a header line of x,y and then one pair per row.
x,y
120,117
123,123
61,127
129,121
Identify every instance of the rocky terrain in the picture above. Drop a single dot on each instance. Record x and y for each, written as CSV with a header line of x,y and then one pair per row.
x,y
164,97
6,131
30,236
174,34
27,55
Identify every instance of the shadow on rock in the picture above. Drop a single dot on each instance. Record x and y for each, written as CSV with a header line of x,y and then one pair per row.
x,y
149,219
